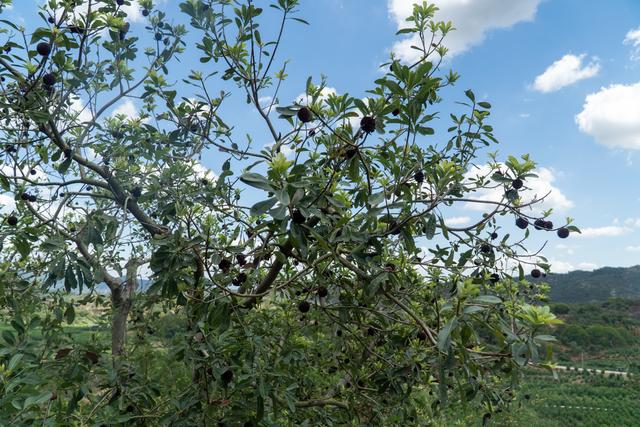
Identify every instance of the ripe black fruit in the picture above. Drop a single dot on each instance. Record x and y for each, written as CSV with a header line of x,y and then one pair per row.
x,y
495,278
396,111
304,306
33,172
241,259
240,279
227,376
548,225
485,248
145,12
304,115
49,79
51,20
224,265
297,216
517,183
322,291
563,232
33,198
350,153
136,192
539,224
494,235
12,220
24,196
158,36
419,177
43,48
368,124
119,2
535,273
421,335
522,223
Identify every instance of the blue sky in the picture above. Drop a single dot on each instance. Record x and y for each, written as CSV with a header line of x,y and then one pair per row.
x,y
563,77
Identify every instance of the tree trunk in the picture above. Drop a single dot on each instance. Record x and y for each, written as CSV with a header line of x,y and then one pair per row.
x,y
122,300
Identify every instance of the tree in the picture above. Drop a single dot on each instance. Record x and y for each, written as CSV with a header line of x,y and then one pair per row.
x,y
305,293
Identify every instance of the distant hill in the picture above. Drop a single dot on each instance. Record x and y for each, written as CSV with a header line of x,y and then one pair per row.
x,y
597,285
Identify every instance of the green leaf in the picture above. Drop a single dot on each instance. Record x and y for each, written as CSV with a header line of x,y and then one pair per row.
x,y
444,337
256,180
263,206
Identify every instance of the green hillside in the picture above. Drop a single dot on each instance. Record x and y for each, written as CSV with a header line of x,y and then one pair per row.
x,y
597,285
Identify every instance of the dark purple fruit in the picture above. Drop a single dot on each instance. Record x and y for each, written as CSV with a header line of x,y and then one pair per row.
x,y
136,192
241,259
494,235
485,248
535,273
522,223
240,279
297,216
350,153
33,198
49,79
33,172
12,220
304,306
419,177
24,196
119,2
51,20
227,376
158,36
224,265
304,115
563,232
145,12
421,335
517,183
548,225
322,291
43,48
396,111
368,124
495,278
539,224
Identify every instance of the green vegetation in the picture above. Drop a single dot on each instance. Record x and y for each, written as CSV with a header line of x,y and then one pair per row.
x,y
598,285
289,287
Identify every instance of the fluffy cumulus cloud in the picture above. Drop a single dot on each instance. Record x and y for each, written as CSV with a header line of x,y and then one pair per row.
x,y
633,39
133,9
535,188
612,116
457,220
128,109
560,266
473,19
606,231
566,71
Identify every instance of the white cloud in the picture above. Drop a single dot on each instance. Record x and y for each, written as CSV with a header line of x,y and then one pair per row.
x,y
524,115
559,266
128,109
606,231
612,116
82,111
473,19
536,188
457,220
564,72
633,38
632,248
632,222
304,99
